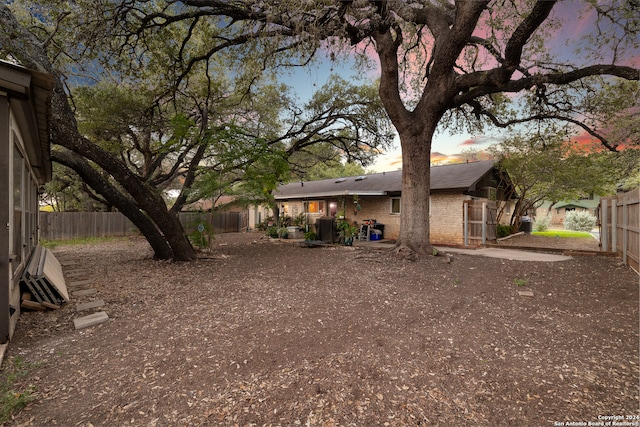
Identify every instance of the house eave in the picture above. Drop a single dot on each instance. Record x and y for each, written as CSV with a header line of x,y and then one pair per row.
x,y
29,93
329,194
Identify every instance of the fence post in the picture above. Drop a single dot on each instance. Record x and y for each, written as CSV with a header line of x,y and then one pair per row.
x,y
625,229
484,223
604,226
614,225
465,215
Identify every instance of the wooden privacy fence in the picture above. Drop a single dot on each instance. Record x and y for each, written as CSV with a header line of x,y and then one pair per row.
x,y
480,222
72,225
222,222
620,226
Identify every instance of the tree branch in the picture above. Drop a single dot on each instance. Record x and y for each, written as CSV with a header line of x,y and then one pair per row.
x,y
479,110
482,87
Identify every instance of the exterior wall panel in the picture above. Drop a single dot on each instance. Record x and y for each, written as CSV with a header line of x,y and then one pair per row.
x,y
5,212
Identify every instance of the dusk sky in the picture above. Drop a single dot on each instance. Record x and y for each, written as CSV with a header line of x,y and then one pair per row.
x,y
446,147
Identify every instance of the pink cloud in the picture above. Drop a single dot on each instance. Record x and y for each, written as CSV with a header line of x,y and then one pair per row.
x,y
478,140
468,142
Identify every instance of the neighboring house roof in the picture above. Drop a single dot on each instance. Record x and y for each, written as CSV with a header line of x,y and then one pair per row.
x,y
582,203
458,177
30,93
207,204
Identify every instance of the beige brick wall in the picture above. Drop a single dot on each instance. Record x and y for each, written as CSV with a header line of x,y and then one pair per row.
x,y
446,215
447,219
378,208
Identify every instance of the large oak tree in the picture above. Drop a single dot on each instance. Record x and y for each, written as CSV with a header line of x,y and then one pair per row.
x,y
460,62
148,122
439,62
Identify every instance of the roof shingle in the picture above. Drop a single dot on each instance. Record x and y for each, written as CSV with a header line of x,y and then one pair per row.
x,y
458,177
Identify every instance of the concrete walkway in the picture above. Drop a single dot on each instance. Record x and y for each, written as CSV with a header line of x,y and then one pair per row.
x,y
510,254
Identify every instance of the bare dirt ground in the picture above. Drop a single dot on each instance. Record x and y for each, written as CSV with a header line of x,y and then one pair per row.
x,y
262,332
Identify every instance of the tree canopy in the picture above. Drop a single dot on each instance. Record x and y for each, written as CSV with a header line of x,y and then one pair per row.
x,y
456,64
545,166
134,126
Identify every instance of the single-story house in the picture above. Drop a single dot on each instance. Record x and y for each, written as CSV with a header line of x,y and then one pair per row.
x,y
377,197
559,210
25,165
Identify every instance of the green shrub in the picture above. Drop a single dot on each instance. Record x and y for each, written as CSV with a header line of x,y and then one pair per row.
x,y
505,230
542,223
201,239
272,232
310,236
275,232
300,220
285,220
265,224
579,221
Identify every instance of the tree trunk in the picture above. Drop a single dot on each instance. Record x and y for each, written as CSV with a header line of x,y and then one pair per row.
x,y
65,132
416,131
127,207
414,236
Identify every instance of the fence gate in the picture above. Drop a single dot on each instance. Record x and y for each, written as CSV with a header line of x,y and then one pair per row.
x,y
480,222
620,226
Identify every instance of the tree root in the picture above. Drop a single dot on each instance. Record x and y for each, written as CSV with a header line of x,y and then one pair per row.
x,y
411,253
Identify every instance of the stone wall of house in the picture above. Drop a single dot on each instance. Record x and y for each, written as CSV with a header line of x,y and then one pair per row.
x,y
378,208
447,219
445,215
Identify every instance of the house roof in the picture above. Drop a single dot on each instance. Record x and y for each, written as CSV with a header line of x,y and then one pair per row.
x,y
584,204
30,93
456,177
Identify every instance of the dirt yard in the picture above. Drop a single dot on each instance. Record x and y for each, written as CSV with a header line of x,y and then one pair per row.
x,y
261,332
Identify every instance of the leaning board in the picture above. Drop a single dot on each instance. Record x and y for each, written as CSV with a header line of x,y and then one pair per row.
x,y
44,278
52,272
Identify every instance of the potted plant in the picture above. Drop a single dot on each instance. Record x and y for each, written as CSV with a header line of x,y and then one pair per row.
x,y
346,233
310,236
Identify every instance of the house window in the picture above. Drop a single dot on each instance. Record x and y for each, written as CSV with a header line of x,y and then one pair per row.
x,y
316,207
492,194
18,196
395,205
17,178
